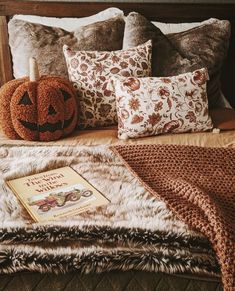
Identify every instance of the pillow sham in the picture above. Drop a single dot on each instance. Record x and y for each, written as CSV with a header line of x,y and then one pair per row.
x,y
202,46
152,106
90,73
71,24
46,43
168,28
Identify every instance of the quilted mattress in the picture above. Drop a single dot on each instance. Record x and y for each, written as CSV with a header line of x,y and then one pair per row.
x,y
112,281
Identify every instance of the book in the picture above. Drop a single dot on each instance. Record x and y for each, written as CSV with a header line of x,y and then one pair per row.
x,y
56,194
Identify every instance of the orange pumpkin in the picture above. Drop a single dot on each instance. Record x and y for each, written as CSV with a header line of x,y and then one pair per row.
x,y
38,108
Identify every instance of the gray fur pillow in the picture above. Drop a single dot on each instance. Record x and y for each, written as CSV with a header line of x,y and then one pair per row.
x,y
202,46
46,43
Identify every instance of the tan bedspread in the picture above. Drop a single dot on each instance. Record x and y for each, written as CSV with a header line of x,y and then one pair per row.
x,y
109,136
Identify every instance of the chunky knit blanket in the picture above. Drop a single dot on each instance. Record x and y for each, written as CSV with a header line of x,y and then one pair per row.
x,y
198,185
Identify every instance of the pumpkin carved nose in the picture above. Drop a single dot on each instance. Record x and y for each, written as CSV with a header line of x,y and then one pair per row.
x,y
51,110
25,100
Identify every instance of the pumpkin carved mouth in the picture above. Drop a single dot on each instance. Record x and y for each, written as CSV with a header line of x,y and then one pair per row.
x,y
51,127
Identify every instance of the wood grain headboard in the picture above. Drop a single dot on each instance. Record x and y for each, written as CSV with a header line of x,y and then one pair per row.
x,y
165,12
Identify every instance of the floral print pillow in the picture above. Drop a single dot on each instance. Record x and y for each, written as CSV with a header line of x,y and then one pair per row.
x,y
151,106
91,72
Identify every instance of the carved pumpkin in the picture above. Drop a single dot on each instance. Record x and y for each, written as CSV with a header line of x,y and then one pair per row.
x,y
38,108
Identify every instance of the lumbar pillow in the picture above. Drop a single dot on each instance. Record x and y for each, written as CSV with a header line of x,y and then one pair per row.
x,y
202,46
46,43
151,106
90,72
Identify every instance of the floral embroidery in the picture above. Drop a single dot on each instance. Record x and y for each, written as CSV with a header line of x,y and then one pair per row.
x,y
132,83
166,80
191,116
134,104
91,74
158,106
163,91
104,109
199,78
151,106
136,119
124,114
171,126
154,118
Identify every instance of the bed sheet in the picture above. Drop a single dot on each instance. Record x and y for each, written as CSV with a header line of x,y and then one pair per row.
x,y
108,136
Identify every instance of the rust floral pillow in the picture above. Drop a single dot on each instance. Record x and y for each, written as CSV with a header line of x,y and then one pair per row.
x,y
90,72
151,106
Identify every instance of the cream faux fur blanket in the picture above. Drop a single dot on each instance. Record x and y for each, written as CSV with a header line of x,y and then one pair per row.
x,y
134,231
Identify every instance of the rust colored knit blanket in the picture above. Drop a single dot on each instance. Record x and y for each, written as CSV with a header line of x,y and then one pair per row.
x,y
198,185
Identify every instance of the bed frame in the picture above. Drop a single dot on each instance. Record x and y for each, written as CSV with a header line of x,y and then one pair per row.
x,y
166,12
153,11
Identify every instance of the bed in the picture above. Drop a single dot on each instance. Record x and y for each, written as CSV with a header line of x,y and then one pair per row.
x,y
136,278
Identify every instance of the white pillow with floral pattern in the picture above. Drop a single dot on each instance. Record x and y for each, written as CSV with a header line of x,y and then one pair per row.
x,y
90,72
152,106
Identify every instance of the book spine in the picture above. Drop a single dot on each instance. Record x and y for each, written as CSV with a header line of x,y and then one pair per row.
x,y
22,201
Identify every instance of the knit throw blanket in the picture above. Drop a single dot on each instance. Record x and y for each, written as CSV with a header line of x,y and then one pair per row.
x,y
134,231
198,185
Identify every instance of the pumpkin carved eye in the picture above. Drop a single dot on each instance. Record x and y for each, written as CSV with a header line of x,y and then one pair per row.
x,y
65,94
25,100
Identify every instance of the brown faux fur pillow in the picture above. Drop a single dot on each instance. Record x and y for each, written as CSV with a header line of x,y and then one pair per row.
x,y
202,46
46,43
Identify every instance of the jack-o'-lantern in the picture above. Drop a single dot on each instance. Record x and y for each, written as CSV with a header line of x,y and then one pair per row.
x,y
38,108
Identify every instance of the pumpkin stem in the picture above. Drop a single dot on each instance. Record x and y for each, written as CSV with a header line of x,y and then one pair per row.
x,y
33,70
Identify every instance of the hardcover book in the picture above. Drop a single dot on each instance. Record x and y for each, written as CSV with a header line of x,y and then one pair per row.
x,y
56,194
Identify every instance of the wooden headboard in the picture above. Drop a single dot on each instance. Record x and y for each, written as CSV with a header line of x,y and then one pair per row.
x,y
165,12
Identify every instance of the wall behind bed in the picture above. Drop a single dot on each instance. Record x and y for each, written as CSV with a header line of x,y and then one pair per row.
x,y
158,10
144,1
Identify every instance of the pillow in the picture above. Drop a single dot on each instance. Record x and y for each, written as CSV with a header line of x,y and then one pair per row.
x,y
71,24
223,118
202,46
168,28
91,72
151,106
167,61
46,43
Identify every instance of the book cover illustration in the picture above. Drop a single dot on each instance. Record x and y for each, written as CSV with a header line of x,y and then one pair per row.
x,y
56,194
